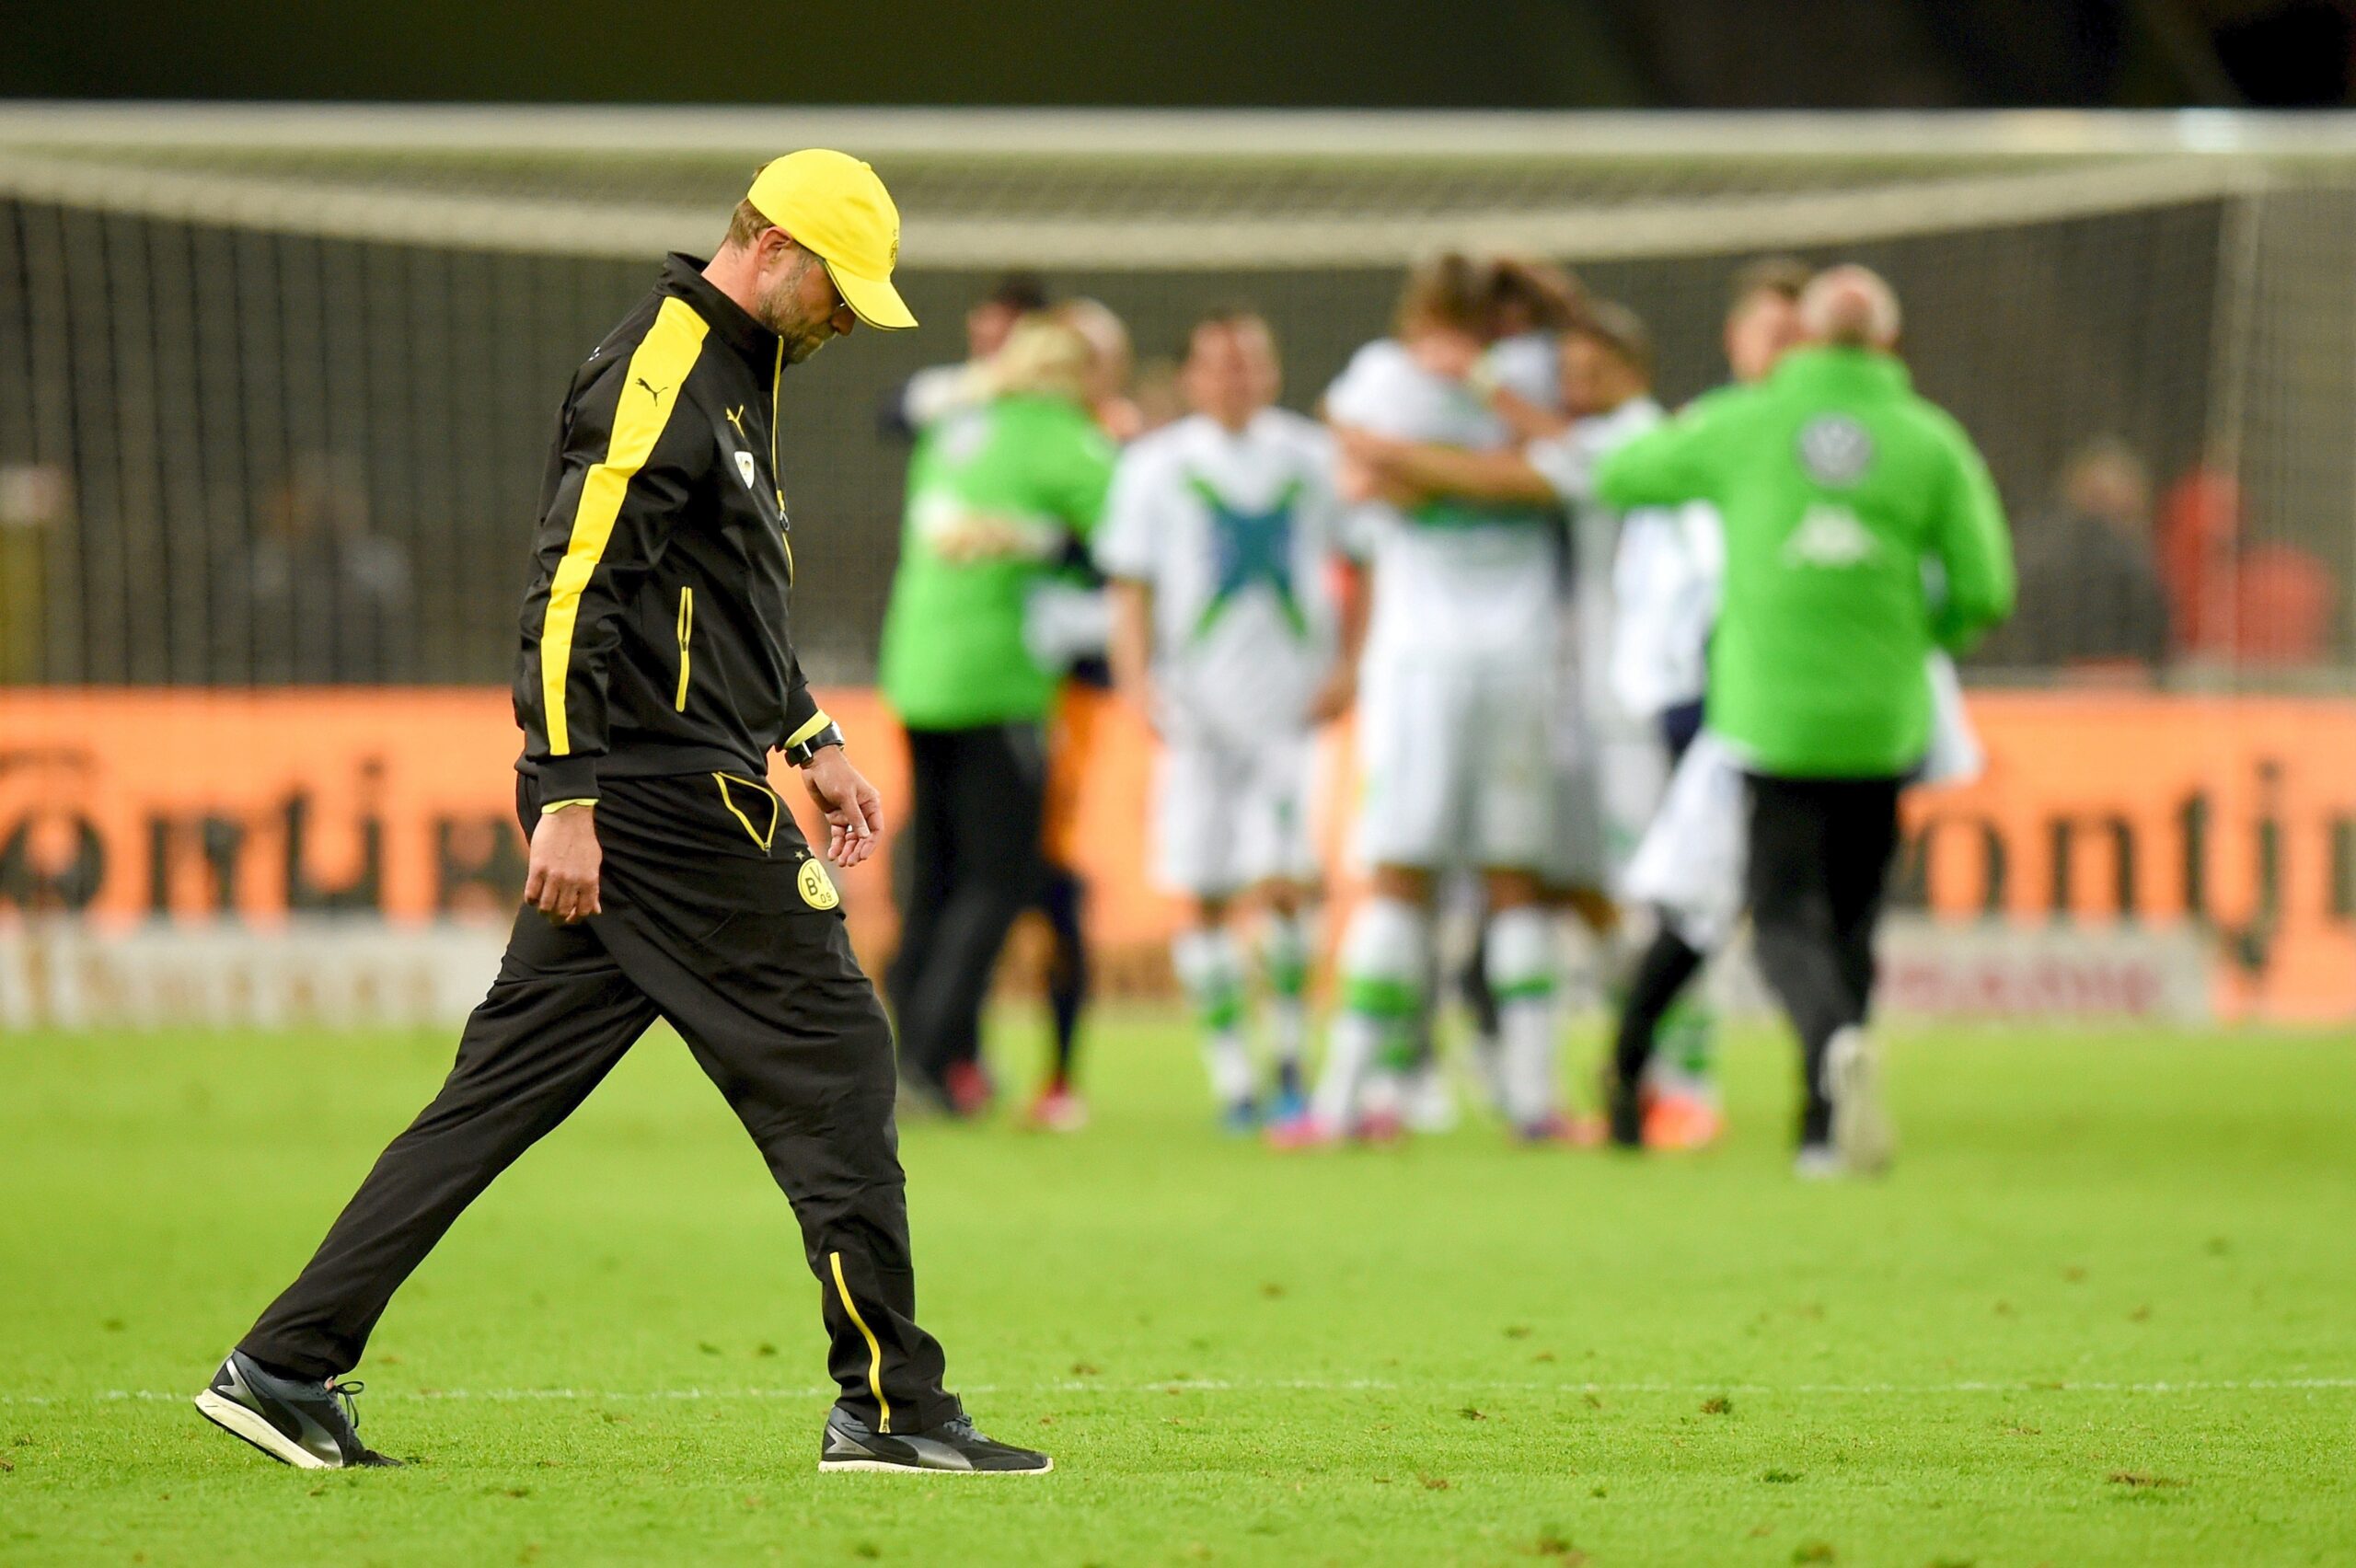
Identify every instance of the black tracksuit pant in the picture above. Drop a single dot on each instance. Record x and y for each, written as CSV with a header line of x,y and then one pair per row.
x,y
1667,966
716,918
1820,850
973,864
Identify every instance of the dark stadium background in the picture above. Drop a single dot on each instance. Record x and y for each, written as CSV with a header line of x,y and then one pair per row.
x,y
1366,53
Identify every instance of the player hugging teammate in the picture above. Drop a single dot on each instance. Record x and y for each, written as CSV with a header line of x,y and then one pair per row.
x,y
1563,379
1542,643
1457,720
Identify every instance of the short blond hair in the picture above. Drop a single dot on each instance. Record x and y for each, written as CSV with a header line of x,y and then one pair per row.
x,y
1106,334
1450,289
1045,357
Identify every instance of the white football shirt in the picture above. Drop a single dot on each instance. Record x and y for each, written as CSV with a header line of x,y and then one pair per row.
x,y
1236,533
1644,619
1449,576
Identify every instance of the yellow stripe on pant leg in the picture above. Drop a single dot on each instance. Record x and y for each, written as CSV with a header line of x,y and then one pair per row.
x,y
874,1351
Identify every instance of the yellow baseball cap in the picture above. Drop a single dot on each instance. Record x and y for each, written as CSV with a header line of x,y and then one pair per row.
x,y
837,208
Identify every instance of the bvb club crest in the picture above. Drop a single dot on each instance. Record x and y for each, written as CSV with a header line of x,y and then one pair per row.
x,y
744,467
818,888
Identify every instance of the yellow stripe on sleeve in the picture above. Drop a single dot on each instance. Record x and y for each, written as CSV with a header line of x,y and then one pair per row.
x,y
815,722
650,383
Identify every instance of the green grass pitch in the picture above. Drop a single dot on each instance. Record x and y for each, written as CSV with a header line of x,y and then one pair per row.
x,y
2101,1314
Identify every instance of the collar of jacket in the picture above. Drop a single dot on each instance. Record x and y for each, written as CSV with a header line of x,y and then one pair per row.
x,y
682,278
1829,365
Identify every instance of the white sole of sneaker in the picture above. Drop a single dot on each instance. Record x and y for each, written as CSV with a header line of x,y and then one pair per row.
x,y
883,1467
239,1422
1861,1128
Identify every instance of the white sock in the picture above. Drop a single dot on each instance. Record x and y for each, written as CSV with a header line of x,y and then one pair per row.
x,y
1285,946
1210,967
1351,1048
1384,1093
1522,974
1589,966
1384,956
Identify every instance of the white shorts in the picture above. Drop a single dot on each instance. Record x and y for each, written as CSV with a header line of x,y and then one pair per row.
x,y
1605,796
1454,764
1689,864
1227,817
1579,851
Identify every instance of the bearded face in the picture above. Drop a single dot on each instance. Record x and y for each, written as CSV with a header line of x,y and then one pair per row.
x,y
800,306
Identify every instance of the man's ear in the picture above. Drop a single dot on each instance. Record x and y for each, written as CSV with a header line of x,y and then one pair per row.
x,y
774,244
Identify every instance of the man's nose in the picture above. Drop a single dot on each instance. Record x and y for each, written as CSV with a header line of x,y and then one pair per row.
x,y
845,319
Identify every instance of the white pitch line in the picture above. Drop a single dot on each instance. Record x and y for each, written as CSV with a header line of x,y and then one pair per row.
x,y
1309,1385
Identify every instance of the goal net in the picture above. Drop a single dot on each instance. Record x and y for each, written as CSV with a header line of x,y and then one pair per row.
x,y
220,326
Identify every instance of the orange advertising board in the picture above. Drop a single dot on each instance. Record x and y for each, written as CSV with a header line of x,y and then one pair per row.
x,y
2235,815
128,805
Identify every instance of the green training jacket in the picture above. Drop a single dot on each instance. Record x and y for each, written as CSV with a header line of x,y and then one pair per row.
x,y
996,495
1862,530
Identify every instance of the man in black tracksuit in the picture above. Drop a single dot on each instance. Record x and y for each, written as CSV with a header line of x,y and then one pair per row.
x,y
667,881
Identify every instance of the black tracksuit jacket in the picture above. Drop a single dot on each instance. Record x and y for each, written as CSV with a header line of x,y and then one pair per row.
x,y
656,637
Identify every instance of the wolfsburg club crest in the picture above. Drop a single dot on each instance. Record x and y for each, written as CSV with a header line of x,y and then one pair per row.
x,y
1835,450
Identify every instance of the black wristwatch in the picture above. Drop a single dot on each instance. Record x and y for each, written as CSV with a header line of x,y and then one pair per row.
x,y
832,735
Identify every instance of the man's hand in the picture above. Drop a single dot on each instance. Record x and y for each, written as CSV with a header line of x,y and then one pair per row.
x,y
1129,647
854,811
1358,464
1369,467
1360,445
563,882
1141,696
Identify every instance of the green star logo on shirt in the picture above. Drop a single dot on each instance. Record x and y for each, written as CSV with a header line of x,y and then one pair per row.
x,y
1247,547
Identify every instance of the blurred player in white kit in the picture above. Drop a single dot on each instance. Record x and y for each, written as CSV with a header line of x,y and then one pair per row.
x,y
1641,651
1665,587
1219,542
1454,723
1605,772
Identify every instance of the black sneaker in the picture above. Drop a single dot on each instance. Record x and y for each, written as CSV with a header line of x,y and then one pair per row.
x,y
310,1426
952,1447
